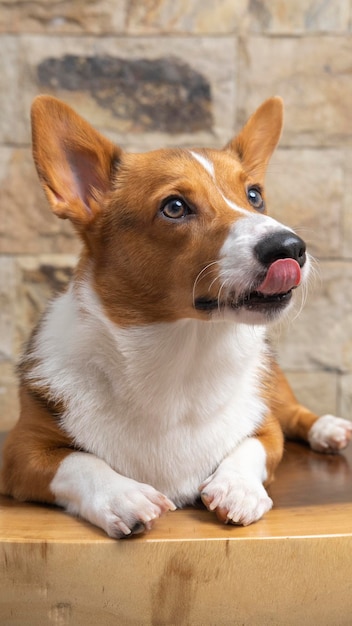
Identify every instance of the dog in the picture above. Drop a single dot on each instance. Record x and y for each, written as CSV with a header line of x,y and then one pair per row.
x,y
150,383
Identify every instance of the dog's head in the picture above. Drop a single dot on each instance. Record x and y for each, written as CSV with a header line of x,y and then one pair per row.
x,y
173,233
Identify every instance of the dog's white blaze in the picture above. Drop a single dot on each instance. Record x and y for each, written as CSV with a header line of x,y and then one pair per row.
x,y
209,167
206,163
166,422
235,206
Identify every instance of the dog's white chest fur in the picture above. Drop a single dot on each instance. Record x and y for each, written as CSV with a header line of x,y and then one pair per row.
x,y
163,403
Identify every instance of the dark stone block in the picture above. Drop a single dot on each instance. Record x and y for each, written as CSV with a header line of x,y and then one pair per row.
x,y
163,94
55,278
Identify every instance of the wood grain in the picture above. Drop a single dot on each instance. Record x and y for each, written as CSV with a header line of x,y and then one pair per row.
x,y
292,567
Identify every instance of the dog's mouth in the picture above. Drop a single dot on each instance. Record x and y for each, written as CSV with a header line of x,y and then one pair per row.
x,y
253,300
272,294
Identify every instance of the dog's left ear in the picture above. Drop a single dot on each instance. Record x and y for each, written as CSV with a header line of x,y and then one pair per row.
x,y
75,163
258,139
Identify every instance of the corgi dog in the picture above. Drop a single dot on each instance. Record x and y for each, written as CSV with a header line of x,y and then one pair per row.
x,y
149,383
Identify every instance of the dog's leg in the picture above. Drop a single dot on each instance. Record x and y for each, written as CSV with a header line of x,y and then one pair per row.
x,y
40,464
32,452
87,486
235,491
324,434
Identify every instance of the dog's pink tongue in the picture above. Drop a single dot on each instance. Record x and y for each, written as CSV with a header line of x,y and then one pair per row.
x,y
282,275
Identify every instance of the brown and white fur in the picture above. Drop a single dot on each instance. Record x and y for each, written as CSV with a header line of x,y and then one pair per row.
x,y
149,382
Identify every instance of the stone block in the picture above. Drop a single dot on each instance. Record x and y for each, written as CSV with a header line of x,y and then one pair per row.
x,y
8,293
26,285
312,74
82,16
9,404
306,190
133,90
185,86
279,17
39,278
346,218
27,224
320,338
12,118
185,16
182,17
345,396
316,390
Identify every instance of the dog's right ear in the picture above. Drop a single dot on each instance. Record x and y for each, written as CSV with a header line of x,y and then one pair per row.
x,y
258,138
74,162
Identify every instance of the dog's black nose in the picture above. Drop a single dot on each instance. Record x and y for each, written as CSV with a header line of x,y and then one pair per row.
x,y
281,245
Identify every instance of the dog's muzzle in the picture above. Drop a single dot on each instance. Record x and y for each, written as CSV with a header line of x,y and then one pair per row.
x,y
281,255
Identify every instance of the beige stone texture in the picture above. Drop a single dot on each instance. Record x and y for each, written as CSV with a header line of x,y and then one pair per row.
x,y
8,288
47,16
9,404
27,224
212,58
299,16
306,191
38,279
346,221
316,390
12,118
167,16
345,396
26,285
312,74
186,16
320,338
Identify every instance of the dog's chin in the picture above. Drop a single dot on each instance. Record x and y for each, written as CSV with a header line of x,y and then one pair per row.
x,y
250,308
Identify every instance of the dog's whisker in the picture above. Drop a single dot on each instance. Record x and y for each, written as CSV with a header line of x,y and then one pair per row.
x,y
301,305
200,277
212,283
221,289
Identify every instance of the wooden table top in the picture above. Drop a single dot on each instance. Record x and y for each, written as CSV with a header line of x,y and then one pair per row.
x,y
312,497
293,567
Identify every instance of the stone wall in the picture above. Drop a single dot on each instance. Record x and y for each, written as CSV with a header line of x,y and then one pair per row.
x,y
158,72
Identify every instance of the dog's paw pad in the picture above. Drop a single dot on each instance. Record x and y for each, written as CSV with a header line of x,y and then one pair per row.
x,y
235,499
330,434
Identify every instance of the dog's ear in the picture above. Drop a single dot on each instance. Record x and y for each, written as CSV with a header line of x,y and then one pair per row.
x,y
258,139
74,162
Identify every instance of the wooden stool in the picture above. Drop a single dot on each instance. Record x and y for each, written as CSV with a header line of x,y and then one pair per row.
x,y
292,567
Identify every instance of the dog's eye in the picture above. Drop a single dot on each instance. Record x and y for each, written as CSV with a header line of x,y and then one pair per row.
x,y
255,198
175,208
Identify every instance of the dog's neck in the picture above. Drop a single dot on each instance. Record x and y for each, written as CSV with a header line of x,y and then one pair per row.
x,y
167,360
178,342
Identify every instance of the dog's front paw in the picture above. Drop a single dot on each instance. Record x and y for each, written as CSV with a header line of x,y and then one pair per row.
x,y
86,486
330,434
127,509
235,498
